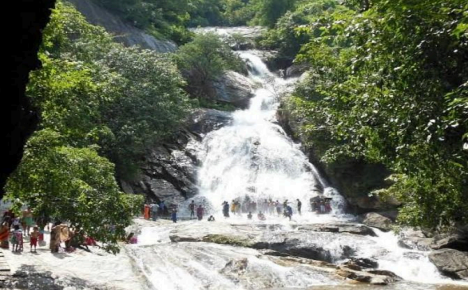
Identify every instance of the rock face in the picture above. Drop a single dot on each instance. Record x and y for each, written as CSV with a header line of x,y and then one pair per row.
x,y
169,170
354,179
234,88
123,31
376,220
451,262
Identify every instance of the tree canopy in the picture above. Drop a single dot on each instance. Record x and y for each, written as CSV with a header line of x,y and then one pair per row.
x,y
388,84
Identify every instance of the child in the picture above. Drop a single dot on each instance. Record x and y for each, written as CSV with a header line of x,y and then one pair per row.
x,y
34,237
17,239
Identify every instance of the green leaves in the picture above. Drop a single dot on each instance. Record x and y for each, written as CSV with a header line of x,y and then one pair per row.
x,y
389,85
203,60
74,185
96,98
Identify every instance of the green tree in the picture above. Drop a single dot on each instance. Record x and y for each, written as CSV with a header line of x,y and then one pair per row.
x,y
203,60
75,185
389,85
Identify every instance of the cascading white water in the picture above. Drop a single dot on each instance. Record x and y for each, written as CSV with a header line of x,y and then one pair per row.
x,y
254,157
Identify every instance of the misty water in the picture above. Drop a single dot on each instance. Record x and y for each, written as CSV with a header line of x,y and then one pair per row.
x,y
253,157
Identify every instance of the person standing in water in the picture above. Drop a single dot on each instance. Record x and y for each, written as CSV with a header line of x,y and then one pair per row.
x,y
154,211
299,206
192,209
226,209
200,211
288,211
174,213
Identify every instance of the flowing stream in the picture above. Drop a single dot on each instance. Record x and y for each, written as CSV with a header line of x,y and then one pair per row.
x,y
254,159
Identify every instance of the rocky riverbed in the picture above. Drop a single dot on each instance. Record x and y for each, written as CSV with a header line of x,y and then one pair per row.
x,y
235,254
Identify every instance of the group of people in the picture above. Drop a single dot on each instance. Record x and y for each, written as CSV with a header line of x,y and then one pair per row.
x,y
13,228
200,210
262,207
320,204
238,206
155,210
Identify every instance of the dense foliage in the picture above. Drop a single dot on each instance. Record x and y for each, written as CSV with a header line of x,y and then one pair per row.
x,y
204,60
72,184
98,101
389,85
170,19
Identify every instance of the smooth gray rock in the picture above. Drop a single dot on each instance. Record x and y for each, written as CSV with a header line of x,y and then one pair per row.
x,y
451,262
414,239
455,240
234,88
123,31
376,220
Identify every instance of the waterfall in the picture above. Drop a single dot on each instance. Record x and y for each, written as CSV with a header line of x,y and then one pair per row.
x,y
254,158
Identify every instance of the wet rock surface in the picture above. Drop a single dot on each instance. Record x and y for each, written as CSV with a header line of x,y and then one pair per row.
x,y
169,169
451,263
234,88
374,277
305,241
414,239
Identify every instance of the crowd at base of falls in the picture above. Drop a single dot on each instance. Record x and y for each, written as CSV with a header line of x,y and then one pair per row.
x,y
236,253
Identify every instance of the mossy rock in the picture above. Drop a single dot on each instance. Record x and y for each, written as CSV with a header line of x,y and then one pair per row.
x,y
227,240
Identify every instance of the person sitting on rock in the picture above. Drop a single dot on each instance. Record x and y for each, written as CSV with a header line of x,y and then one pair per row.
x,y
211,218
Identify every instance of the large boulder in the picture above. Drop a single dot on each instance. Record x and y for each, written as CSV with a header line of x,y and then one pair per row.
x,y
414,239
203,121
234,88
376,220
123,32
454,240
451,262
296,70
